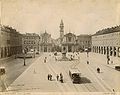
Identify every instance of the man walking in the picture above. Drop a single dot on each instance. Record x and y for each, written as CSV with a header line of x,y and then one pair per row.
x,y
57,77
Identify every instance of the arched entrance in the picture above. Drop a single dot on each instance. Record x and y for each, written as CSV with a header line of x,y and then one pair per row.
x,y
114,51
45,49
104,50
101,50
111,52
107,51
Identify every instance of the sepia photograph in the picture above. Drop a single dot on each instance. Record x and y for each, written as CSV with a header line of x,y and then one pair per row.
x,y
59,47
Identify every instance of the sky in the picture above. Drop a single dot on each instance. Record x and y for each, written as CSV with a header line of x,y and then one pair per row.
x,y
79,16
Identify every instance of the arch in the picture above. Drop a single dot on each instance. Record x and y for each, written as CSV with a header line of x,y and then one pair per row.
x,y
97,49
118,51
101,50
107,50
114,51
111,52
104,50
93,49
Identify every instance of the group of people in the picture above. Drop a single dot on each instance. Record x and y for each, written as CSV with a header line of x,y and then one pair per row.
x,y
50,77
74,55
58,77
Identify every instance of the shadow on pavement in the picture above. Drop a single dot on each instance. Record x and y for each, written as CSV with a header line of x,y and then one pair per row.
x,y
84,80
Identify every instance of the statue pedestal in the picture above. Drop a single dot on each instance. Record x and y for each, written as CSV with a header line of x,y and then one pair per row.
x,y
64,58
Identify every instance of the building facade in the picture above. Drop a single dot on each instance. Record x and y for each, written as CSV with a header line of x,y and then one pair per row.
x,y
46,43
30,41
69,43
10,42
107,41
84,42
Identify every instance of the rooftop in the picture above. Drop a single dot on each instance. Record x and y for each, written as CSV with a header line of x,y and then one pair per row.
x,y
108,30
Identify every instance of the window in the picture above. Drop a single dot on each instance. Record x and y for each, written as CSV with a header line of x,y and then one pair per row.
x,y
8,41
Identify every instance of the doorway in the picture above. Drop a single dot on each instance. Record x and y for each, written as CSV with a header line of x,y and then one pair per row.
x,y
45,49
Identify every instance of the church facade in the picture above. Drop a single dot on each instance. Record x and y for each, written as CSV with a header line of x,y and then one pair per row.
x,y
45,43
71,43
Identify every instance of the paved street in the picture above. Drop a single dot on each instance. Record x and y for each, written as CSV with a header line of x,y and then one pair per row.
x,y
35,79
14,68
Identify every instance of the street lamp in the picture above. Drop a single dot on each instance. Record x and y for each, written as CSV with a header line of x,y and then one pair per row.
x,y
24,57
34,52
108,58
24,60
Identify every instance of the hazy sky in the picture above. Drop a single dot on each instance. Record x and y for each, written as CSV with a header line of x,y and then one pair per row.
x,y
79,16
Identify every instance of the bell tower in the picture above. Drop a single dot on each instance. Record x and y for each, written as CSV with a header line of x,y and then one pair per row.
x,y
61,29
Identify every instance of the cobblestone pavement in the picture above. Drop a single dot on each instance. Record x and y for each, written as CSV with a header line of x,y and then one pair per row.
x,y
34,78
14,68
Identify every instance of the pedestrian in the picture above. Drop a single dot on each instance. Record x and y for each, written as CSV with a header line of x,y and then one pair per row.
x,y
61,77
87,62
113,90
50,77
98,70
45,59
71,58
57,77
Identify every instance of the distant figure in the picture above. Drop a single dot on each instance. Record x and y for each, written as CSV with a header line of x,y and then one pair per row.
x,y
108,59
48,76
87,62
57,77
113,90
71,58
98,70
45,59
61,77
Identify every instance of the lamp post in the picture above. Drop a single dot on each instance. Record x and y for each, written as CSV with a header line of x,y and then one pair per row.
x,y
34,52
87,51
108,58
24,60
24,57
